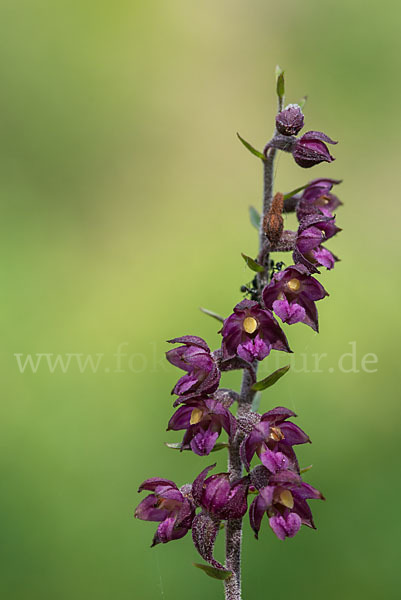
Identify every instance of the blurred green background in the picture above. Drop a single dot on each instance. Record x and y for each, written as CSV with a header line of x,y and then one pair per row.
x,y
124,208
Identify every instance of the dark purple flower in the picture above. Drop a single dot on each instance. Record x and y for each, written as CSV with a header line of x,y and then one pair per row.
x,y
252,332
273,434
292,294
310,149
194,356
284,502
312,231
172,507
203,418
290,120
317,198
219,497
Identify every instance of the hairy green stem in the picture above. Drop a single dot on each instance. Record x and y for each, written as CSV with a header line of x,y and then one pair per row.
x,y
234,526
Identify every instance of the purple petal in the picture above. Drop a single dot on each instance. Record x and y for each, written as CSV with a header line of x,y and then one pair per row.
x,y
308,239
311,315
203,442
312,289
278,526
216,492
193,340
317,135
278,414
274,461
237,505
302,509
305,491
155,482
324,257
287,478
285,527
197,486
289,313
253,349
293,434
256,512
146,510
181,418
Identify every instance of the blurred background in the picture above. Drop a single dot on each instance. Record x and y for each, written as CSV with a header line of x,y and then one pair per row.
x,y
125,198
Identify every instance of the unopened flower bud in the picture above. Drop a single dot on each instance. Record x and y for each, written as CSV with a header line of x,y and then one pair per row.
x,y
290,120
273,223
311,149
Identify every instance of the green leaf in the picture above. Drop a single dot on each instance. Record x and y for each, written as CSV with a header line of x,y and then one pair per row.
x,y
270,380
220,446
213,572
256,402
279,82
306,469
252,264
178,446
251,148
255,217
302,102
210,313
293,192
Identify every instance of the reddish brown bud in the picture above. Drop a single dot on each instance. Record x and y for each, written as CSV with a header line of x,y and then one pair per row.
x,y
273,222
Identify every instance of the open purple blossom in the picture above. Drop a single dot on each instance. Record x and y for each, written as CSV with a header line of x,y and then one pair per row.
x,y
292,294
252,332
283,500
218,496
290,120
310,149
194,356
203,418
317,198
312,231
167,504
273,434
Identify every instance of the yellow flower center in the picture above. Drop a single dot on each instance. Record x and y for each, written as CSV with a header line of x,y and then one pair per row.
x,y
196,416
276,434
250,324
294,285
286,499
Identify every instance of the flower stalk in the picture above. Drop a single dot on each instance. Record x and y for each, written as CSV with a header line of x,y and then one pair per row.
x,y
220,500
